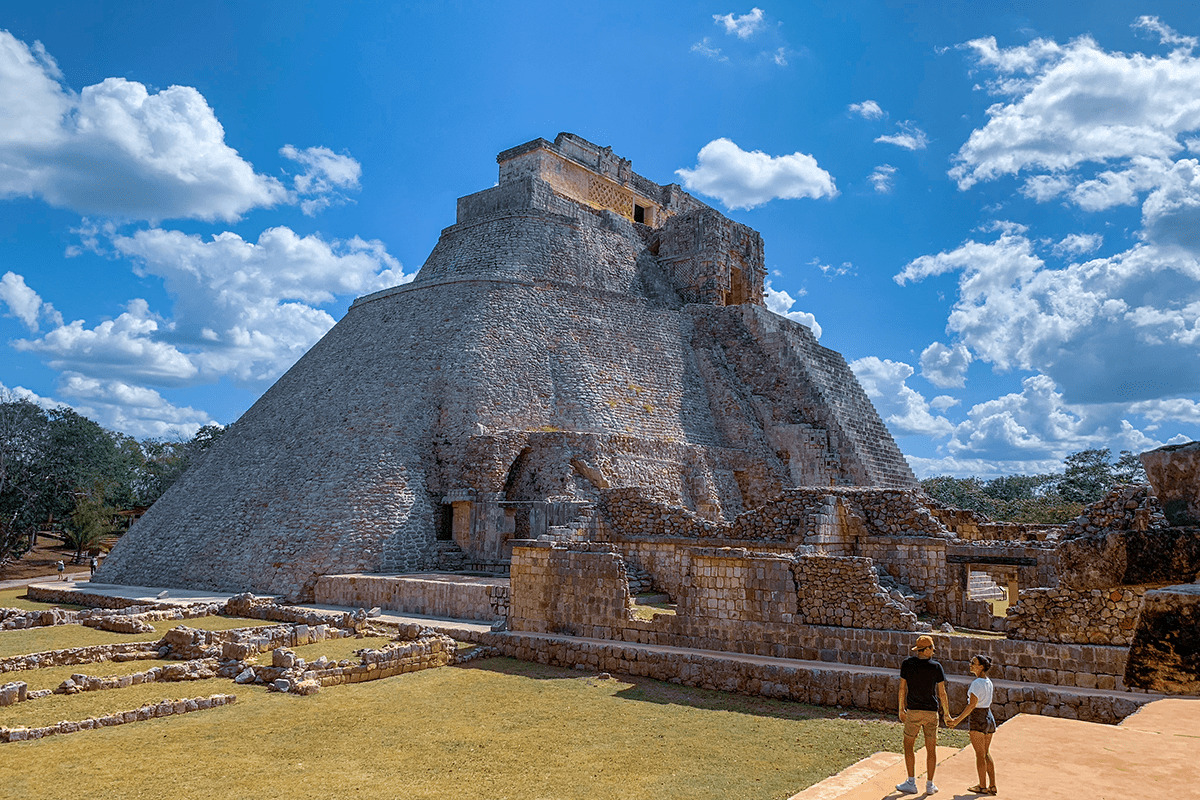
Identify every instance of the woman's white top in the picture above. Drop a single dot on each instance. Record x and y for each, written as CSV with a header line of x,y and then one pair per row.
x,y
982,689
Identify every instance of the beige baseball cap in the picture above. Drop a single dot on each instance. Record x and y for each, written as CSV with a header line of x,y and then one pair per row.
x,y
923,642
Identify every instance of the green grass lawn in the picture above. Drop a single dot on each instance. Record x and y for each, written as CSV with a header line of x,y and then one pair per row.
x,y
495,728
15,598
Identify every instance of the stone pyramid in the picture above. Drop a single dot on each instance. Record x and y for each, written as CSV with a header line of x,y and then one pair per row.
x,y
579,328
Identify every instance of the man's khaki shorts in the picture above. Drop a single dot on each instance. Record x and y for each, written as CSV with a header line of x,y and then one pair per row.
x,y
914,721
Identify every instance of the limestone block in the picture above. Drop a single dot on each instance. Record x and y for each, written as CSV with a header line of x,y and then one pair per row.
x,y
1174,472
1165,654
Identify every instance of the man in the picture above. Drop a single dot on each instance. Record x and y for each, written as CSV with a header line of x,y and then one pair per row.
x,y
922,685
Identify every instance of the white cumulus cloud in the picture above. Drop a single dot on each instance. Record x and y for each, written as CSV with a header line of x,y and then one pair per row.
x,y
165,150
1078,244
781,303
1037,423
944,366
327,175
1123,328
742,179
882,178
903,409
244,310
742,26
1076,107
135,410
867,109
24,303
909,136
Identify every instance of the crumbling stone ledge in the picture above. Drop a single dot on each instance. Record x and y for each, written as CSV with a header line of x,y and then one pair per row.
x,y
166,708
126,651
186,671
129,619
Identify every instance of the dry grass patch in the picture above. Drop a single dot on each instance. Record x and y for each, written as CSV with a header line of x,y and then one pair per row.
x,y
334,649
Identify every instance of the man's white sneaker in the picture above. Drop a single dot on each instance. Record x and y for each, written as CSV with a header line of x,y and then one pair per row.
x,y
908,787
930,787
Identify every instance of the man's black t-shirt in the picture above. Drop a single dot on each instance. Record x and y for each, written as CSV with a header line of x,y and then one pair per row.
x,y
923,676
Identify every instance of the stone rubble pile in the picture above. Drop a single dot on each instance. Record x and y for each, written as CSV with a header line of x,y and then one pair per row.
x,y
164,709
241,643
1126,507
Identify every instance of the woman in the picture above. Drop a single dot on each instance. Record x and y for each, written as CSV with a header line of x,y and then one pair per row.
x,y
982,724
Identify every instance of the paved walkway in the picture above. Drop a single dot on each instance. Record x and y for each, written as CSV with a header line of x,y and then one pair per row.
x,y
52,578
1152,754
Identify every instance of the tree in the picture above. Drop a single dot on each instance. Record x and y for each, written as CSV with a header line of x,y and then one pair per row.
x,y
90,521
1129,468
1087,477
23,440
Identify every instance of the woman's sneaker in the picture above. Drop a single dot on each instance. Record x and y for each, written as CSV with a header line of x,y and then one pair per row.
x,y
930,787
908,787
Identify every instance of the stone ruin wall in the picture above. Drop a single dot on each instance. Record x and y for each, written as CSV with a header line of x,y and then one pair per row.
x,y
716,615
1077,616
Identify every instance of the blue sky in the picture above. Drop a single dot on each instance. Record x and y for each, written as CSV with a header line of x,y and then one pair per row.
x,y
991,209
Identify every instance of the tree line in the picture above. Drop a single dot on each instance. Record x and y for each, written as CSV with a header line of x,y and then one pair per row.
x,y
63,473
1046,499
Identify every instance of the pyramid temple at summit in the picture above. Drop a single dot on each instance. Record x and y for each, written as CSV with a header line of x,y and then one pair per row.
x,y
578,329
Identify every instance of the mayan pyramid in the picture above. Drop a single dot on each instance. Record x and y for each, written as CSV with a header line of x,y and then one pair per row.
x,y
578,328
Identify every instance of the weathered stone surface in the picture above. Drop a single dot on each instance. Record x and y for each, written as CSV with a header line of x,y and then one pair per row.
x,y
558,341
1174,472
1130,557
1165,654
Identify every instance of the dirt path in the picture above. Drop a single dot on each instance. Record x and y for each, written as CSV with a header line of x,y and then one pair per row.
x,y
40,562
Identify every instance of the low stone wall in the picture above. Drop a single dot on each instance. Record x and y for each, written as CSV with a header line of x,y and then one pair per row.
x,y
425,653
446,596
971,526
581,591
15,692
1073,616
170,673
47,593
555,587
128,619
796,515
166,708
129,651
870,691
247,606
918,562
